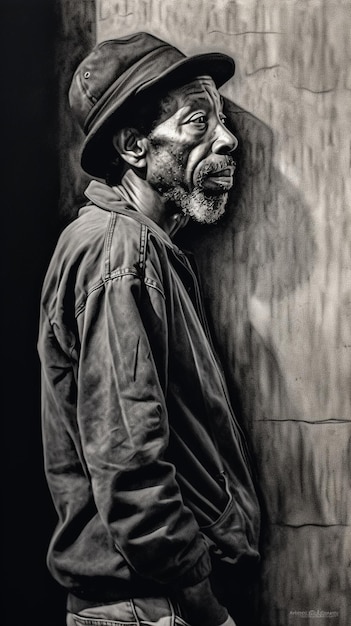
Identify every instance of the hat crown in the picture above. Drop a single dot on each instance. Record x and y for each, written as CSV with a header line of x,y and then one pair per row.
x,y
118,70
106,63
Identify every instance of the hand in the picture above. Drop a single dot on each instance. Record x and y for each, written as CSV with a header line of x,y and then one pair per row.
x,y
200,606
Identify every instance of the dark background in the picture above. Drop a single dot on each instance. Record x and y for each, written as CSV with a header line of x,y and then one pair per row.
x,y
29,204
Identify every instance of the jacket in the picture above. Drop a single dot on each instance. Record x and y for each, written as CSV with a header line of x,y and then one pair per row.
x,y
145,461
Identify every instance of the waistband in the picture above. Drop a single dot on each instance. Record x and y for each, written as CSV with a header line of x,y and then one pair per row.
x,y
132,611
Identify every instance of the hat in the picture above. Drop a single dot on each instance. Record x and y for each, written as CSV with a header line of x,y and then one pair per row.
x,y
118,69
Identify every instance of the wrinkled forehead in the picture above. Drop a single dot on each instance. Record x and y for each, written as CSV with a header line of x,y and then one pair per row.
x,y
198,93
202,87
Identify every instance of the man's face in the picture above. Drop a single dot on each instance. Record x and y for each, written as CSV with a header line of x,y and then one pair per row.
x,y
188,161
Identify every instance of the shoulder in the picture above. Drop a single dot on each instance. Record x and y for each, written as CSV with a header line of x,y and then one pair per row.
x,y
97,242
101,245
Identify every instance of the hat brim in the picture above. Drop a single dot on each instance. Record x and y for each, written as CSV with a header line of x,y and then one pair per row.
x,y
97,150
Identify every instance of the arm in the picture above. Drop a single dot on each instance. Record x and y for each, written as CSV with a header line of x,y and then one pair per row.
x,y
124,428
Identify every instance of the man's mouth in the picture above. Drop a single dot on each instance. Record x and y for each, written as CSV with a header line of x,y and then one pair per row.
x,y
219,179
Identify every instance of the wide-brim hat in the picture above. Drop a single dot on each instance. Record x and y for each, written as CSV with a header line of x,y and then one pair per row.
x,y
117,70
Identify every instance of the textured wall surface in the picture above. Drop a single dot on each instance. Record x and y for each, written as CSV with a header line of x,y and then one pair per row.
x,y
277,278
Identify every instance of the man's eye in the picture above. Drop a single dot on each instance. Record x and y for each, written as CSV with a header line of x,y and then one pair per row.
x,y
223,118
198,119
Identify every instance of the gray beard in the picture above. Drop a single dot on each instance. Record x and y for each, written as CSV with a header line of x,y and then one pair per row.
x,y
201,207
166,178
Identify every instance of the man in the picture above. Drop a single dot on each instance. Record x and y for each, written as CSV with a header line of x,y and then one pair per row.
x,y
145,461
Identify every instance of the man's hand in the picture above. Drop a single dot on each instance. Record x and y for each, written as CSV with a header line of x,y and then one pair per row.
x,y
200,607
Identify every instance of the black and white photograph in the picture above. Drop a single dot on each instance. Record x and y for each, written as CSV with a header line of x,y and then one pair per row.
x,y
177,313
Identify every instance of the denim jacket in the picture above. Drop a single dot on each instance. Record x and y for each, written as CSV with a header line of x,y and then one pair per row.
x,y
144,458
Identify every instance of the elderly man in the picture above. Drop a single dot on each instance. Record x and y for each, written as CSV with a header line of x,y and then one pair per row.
x,y
144,458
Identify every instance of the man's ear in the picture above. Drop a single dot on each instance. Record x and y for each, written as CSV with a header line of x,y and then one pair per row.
x,y
132,146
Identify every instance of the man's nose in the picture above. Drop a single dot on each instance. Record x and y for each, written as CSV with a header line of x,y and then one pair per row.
x,y
225,141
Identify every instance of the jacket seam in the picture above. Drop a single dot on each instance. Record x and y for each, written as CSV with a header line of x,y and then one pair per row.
x,y
152,283
142,249
123,271
117,274
79,309
136,216
108,245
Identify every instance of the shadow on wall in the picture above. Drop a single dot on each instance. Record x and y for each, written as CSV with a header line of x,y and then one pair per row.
x,y
261,252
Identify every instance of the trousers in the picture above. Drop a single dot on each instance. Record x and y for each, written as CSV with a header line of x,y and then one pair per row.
x,y
133,612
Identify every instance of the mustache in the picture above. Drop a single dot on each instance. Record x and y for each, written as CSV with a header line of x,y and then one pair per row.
x,y
214,164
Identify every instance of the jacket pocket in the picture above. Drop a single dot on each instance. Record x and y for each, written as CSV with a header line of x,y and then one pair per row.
x,y
231,535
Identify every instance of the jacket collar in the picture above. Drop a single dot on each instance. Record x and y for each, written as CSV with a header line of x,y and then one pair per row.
x,y
111,199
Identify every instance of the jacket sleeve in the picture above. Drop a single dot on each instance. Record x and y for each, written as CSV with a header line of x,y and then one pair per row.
x,y
123,423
